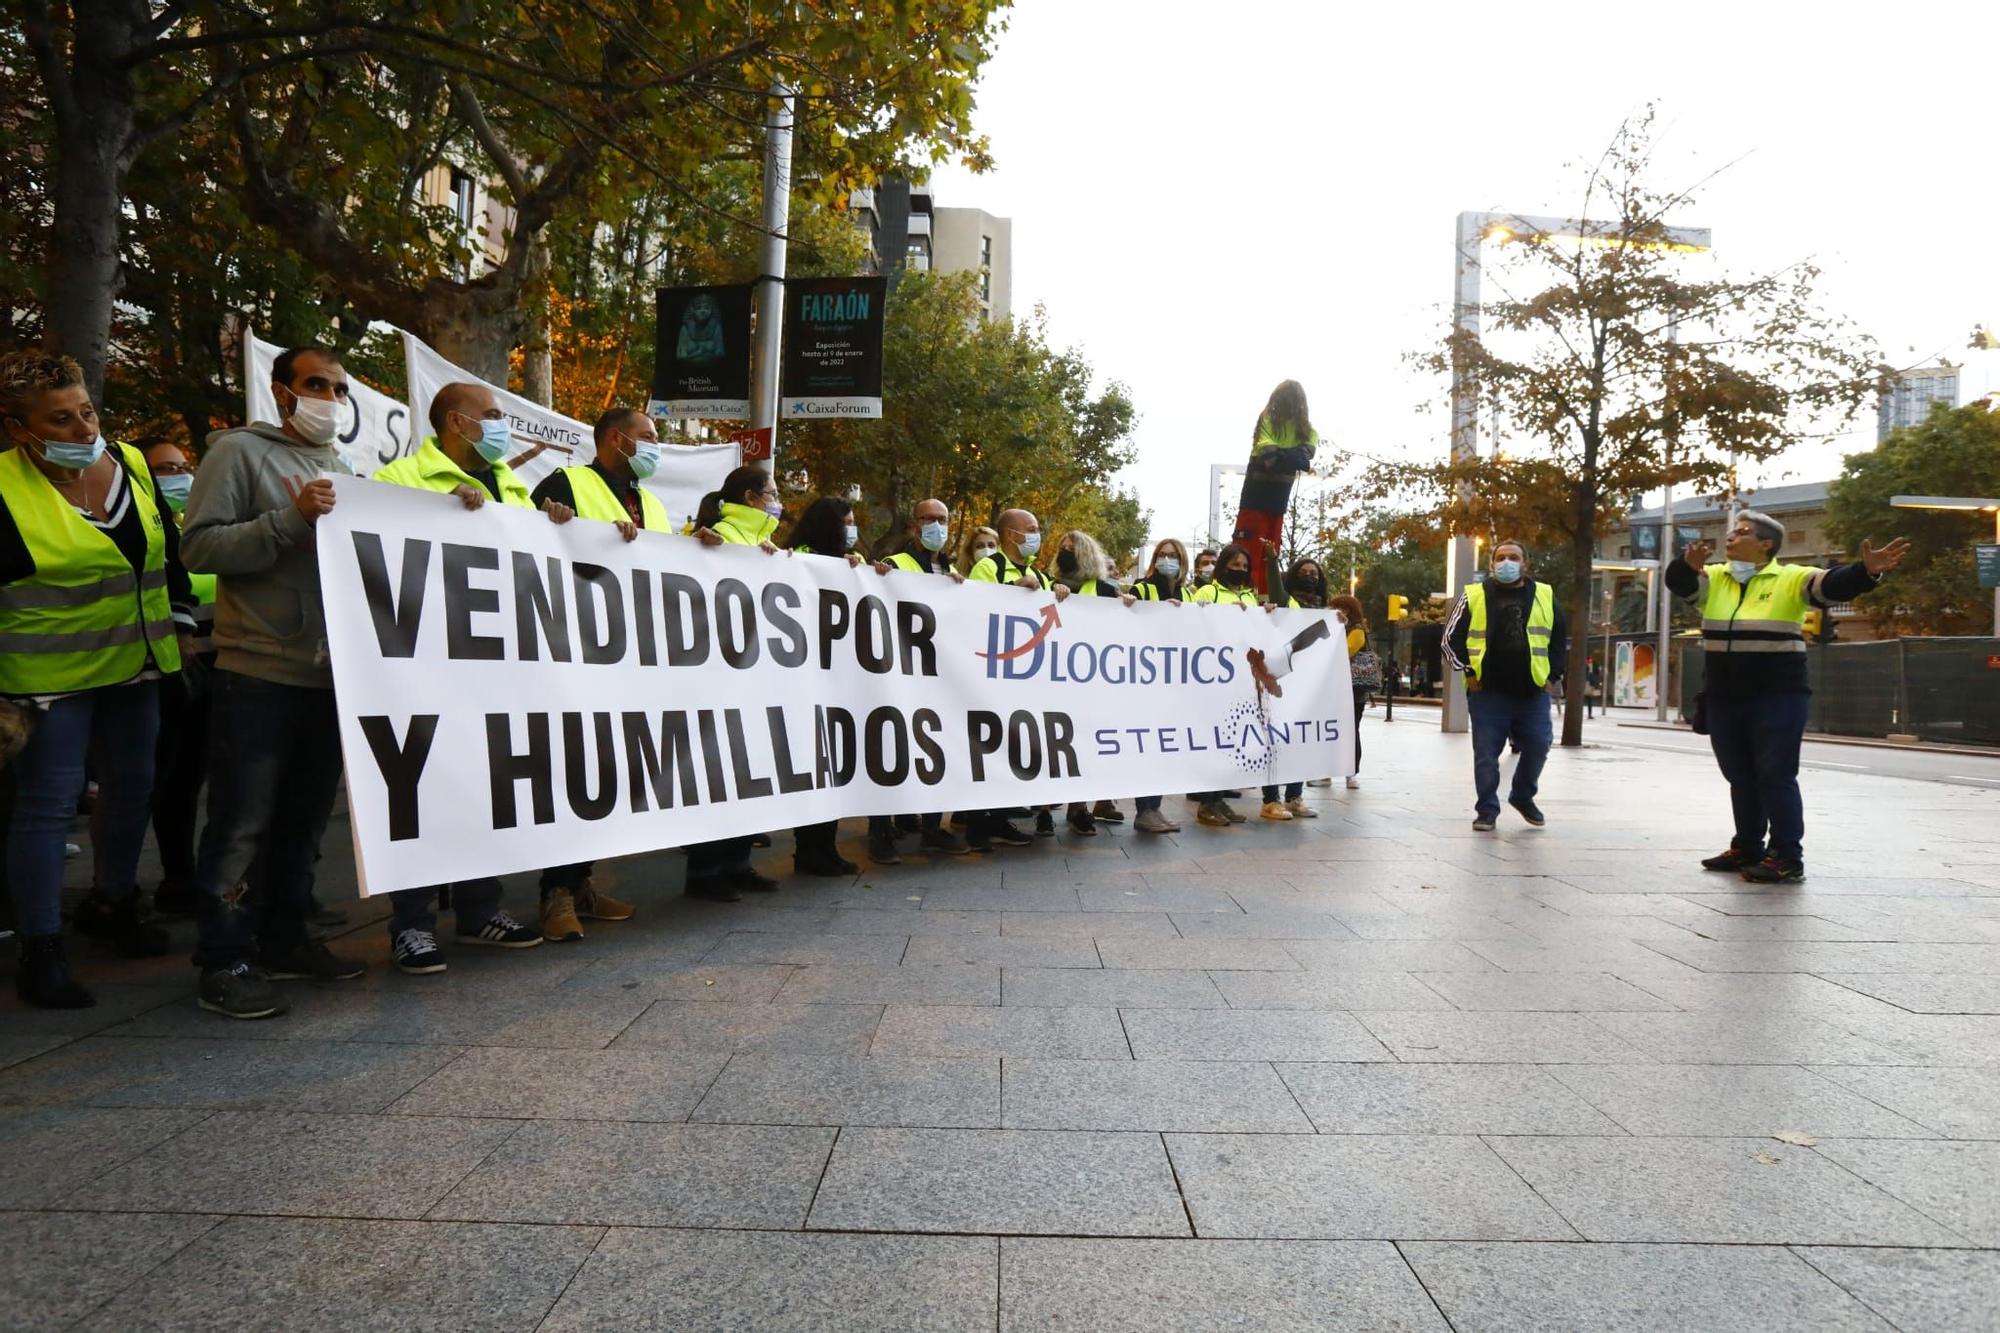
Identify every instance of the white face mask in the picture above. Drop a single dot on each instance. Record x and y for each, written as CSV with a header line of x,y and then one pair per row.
x,y
317,420
853,536
981,552
1741,570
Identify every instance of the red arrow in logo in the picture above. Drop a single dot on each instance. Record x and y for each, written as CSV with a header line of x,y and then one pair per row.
x,y
1050,620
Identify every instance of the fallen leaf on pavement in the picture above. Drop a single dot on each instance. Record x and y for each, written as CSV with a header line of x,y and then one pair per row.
x,y
1763,1159
1796,1137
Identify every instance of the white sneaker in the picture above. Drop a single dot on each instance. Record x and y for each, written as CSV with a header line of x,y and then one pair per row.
x,y
1353,782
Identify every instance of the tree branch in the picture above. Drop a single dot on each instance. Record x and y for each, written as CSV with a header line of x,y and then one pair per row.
x,y
467,101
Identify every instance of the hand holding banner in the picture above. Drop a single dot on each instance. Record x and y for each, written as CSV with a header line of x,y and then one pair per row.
x,y
514,693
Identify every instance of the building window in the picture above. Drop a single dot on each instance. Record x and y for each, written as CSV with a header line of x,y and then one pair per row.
x,y
464,192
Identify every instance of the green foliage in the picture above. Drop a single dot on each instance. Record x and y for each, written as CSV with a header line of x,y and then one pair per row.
x,y
1936,589
982,415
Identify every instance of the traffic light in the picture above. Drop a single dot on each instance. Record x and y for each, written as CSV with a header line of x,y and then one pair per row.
x,y
1399,606
1813,624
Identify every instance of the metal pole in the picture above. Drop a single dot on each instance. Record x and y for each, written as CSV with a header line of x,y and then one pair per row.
x,y
771,262
1666,604
1464,431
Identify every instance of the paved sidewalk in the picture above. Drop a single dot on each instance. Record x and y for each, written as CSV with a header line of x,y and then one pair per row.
x,y
1374,1071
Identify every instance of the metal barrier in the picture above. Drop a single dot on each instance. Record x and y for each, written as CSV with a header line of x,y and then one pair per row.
x,y
1944,689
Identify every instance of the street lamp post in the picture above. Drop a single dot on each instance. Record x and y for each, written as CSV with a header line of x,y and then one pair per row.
x,y
1965,503
1473,228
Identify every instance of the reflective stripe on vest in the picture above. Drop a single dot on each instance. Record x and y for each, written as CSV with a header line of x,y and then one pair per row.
x,y
83,619
1541,626
595,499
1765,615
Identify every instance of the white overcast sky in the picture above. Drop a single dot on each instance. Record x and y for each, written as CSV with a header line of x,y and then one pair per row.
x,y
1210,198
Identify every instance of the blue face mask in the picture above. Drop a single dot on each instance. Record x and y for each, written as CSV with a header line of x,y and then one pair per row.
x,y
76,457
645,459
1507,571
853,536
494,440
1741,570
1031,544
174,489
1167,567
932,536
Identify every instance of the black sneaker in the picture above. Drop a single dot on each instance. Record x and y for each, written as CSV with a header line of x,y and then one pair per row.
x,y
501,931
909,824
416,952
1483,824
980,843
1007,835
176,897
309,960
1045,824
241,991
1082,821
1771,870
1733,859
882,849
43,978
711,889
747,880
126,924
1530,812
943,840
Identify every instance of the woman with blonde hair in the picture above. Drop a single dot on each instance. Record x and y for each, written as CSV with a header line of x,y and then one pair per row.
x,y
979,543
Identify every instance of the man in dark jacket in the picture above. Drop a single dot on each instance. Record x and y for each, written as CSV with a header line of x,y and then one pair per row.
x,y
1508,636
1754,679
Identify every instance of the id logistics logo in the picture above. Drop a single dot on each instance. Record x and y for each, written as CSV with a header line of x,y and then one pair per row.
x,y
1029,648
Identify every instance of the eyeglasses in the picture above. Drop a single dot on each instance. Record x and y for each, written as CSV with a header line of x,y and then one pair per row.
x,y
174,470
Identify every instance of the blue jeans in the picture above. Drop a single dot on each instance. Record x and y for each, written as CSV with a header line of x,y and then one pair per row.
x,y
1756,744
113,730
1141,804
473,901
273,772
1496,718
1293,791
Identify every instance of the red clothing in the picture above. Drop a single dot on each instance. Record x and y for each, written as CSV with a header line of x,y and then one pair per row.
x,y
1253,529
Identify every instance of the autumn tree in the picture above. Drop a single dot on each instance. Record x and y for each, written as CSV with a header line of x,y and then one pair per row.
x,y
1598,399
1936,589
336,115
981,414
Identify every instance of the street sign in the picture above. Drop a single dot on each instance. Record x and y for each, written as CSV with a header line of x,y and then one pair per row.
x,y
754,442
1987,558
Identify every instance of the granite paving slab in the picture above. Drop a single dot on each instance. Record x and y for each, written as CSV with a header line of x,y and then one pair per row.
x,y
1549,992
16,1049
1077,1033
1954,1103
1064,988
523,1084
1088,925
47,1151
1249,1034
1005,950
58,1267
616,984
1235,955
943,983
1348,956
815,1283
602,1173
1747,1191
302,1075
1011,1182
298,1164
784,1089
1939,1291
1192,1096
908,919
1158,1286
330,1273
1261,923
1359,1187
1499,1038
1724,1100
1630,1288
1396,991
680,1025
1440,1099
1928,993
1745,1039
1956,1183
809,948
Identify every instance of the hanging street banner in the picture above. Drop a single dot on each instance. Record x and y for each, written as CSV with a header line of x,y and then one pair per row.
x,y
547,440
701,353
375,433
832,362
516,693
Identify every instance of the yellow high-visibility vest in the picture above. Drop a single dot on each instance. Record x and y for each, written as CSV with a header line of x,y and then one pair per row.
x,y
1541,626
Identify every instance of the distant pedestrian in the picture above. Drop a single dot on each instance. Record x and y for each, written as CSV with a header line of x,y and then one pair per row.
x,y
1281,447
1508,636
1754,679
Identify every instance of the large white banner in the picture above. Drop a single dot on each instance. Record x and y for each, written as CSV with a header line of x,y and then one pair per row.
x,y
515,693
549,440
375,433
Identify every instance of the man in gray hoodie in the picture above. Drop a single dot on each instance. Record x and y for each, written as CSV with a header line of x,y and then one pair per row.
x,y
274,760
